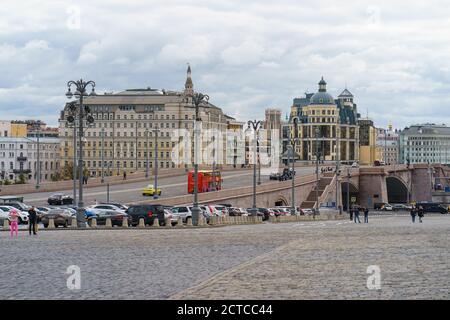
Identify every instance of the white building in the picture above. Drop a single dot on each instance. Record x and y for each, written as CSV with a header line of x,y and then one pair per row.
x,y
426,143
18,156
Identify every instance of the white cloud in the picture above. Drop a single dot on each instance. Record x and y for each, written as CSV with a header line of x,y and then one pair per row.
x,y
247,55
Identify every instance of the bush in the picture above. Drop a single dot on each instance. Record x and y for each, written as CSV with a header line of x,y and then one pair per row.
x,y
7,182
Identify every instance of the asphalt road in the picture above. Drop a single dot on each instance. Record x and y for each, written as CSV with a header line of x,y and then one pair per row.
x,y
170,187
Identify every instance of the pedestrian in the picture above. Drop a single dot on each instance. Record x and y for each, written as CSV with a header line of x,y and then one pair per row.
x,y
14,222
420,213
350,210
32,219
366,215
413,214
356,213
95,201
124,175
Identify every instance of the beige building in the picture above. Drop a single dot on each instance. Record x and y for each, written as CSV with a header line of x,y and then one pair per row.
x,y
141,124
327,127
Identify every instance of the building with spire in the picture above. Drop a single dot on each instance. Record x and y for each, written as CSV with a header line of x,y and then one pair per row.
x,y
133,121
327,127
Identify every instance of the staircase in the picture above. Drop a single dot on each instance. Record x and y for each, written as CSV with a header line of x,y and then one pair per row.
x,y
324,181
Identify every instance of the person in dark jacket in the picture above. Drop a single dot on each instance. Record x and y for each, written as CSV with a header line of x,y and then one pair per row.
x,y
420,213
366,215
356,213
413,214
32,219
350,210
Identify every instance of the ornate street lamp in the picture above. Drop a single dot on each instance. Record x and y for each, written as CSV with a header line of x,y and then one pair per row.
x,y
83,113
197,99
256,126
294,138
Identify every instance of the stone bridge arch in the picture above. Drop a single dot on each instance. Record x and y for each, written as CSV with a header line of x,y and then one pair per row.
x,y
397,190
281,201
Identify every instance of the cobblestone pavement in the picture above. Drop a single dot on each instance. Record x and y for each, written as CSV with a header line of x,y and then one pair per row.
x,y
270,261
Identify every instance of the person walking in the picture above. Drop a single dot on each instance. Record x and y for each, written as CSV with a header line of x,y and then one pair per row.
x,y
32,219
413,214
124,175
350,210
356,213
366,215
420,213
14,222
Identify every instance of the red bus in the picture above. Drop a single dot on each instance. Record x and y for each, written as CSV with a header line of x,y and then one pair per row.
x,y
208,180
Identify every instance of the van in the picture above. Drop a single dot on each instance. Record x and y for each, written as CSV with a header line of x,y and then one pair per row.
x,y
432,207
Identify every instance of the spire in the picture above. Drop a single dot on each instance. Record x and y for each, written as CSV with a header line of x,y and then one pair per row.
x,y
189,85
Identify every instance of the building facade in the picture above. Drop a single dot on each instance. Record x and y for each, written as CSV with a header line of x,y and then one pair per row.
x,y
387,144
327,128
137,126
425,143
368,150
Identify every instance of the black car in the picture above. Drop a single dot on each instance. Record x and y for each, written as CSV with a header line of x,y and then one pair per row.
x,y
262,212
59,199
432,207
116,217
146,211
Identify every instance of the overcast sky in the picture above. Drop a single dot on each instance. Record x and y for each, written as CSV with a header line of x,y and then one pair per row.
x,y
394,56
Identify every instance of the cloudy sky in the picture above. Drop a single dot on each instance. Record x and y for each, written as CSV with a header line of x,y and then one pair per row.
x,y
394,56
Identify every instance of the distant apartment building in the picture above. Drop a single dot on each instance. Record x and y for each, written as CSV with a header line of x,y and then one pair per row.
x,y
425,143
19,152
387,143
369,152
139,125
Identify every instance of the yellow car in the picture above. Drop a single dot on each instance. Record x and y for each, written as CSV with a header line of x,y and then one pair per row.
x,y
150,191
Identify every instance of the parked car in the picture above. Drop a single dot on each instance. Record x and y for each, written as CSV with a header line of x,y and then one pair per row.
x,y
262,212
168,214
150,190
401,207
22,215
146,211
18,205
105,207
234,211
218,210
185,212
61,217
383,206
433,207
117,218
118,205
59,199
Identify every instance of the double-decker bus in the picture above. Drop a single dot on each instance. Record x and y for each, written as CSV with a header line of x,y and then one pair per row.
x,y
208,180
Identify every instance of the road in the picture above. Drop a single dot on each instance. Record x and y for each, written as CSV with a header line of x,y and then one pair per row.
x,y
170,187
307,260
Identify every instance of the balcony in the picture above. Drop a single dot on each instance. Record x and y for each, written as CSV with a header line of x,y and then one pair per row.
x,y
21,158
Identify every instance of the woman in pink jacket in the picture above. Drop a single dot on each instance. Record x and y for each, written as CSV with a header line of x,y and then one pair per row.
x,y
14,222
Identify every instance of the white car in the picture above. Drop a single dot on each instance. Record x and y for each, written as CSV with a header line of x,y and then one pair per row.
x,y
104,208
23,216
217,210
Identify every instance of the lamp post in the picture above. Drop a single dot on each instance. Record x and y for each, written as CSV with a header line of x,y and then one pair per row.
x,y
83,112
259,160
293,141
156,130
255,125
197,99
147,166
102,157
316,209
337,164
348,189
38,171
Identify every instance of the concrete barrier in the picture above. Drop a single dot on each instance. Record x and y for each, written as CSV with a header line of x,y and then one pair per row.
x,y
155,223
74,223
141,223
6,224
108,223
168,223
179,222
94,223
51,223
125,223
189,222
